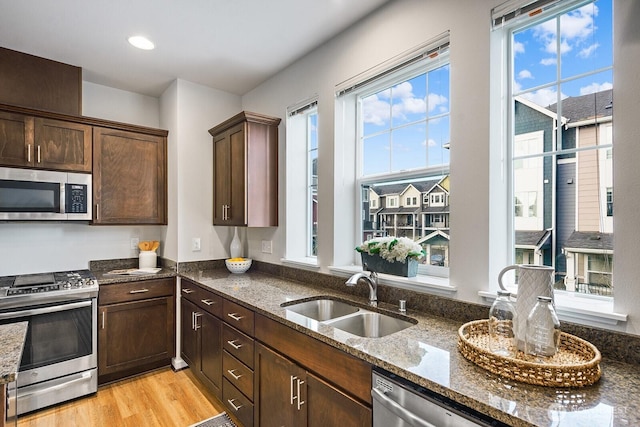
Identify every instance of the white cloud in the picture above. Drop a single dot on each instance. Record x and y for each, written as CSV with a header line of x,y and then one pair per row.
x,y
548,61
595,87
525,74
377,109
518,48
588,51
576,28
543,97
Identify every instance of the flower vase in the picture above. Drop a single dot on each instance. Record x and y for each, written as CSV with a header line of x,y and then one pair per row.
x,y
235,249
409,268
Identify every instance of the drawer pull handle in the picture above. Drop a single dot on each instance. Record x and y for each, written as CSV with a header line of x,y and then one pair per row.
x,y
231,372
234,345
235,316
208,301
139,291
235,408
187,291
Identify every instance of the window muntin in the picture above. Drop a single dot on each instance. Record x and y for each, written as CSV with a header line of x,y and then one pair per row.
x,y
561,115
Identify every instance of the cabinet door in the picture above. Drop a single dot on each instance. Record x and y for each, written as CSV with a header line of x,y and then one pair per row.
x,y
62,145
135,334
16,139
188,336
329,407
229,192
281,398
210,330
129,177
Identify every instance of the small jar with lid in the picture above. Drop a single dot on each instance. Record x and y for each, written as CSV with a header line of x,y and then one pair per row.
x,y
502,316
543,330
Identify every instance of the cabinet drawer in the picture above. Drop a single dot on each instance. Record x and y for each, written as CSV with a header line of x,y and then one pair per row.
x,y
133,291
238,374
204,299
238,344
237,316
237,403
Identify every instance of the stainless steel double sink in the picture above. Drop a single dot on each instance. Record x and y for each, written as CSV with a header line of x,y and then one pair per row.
x,y
349,317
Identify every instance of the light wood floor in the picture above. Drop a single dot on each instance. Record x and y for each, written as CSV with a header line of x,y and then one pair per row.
x,y
159,398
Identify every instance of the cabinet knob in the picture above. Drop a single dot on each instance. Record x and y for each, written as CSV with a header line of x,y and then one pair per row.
x,y
208,301
187,291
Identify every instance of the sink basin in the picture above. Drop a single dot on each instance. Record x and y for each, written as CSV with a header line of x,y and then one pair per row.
x,y
370,325
322,309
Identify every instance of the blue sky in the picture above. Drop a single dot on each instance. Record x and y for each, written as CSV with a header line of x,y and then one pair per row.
x,y
585,45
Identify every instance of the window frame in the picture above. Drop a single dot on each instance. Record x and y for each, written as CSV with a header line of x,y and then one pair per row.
x,y
508,121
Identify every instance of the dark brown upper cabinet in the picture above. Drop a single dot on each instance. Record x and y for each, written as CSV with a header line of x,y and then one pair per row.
x,y
245,171
129,177
37,142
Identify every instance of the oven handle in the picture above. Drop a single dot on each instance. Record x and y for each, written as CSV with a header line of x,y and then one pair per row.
x,y
45,310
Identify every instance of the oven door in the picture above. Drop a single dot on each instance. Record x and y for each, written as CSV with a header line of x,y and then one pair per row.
x,y
61,339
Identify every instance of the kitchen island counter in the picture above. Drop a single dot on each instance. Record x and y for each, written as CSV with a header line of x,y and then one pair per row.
x,y
427,354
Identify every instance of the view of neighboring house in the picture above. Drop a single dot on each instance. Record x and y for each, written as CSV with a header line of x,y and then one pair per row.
x,y
576,235
418,210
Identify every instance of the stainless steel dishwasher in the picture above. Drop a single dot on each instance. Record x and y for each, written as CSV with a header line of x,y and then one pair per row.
x,y
401,403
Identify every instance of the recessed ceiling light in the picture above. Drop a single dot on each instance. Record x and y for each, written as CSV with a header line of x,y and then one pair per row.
x,y
141,42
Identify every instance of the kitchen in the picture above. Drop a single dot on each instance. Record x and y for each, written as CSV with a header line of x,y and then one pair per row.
x,y
189,109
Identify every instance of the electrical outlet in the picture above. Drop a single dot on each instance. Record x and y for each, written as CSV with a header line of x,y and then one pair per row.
x,y
267,246
195,244
134,242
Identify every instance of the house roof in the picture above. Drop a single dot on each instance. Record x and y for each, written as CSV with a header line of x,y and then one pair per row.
x,y
436,209
532,238
392,189
590,240
410,210
586,107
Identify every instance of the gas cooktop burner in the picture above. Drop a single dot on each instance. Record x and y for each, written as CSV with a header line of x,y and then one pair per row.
x,y
47,282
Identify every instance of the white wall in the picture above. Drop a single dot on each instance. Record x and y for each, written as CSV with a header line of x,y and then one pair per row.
x,y
107,103
199,108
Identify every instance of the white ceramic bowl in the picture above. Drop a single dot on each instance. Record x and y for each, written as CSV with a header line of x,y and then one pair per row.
x,y
238,266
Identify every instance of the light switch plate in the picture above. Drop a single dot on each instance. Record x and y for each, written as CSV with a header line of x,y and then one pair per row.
x,y
195,244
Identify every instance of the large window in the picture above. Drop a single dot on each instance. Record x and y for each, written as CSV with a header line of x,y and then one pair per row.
x,y
403,162
560,84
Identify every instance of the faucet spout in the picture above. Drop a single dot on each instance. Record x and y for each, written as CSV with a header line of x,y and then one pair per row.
x,y
371,280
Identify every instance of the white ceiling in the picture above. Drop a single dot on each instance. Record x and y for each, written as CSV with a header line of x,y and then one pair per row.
x,y
231,45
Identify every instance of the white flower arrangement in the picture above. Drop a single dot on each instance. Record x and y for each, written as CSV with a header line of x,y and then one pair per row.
x,y
392,248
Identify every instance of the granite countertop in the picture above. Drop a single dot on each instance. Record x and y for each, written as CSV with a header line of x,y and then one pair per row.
x,y
11,344
104,278
427,354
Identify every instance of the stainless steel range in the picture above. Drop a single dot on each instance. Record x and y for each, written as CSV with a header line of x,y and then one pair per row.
x,y
59,360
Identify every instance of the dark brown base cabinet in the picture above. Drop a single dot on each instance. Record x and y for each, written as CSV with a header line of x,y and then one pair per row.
x,y
288,394
136,327
201,334
266,373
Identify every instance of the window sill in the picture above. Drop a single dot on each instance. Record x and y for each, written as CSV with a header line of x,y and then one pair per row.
x,y
306,263
420,283
581,309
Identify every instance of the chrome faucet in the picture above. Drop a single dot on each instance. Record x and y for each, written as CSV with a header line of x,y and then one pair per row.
x,y
371,280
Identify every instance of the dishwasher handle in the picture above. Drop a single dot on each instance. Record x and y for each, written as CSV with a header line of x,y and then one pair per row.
x,y
398,410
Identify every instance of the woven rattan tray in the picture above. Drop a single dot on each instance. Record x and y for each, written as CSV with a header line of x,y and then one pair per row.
x,y
576,364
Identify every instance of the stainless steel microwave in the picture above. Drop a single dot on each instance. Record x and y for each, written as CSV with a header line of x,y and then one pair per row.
x,y
32,194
